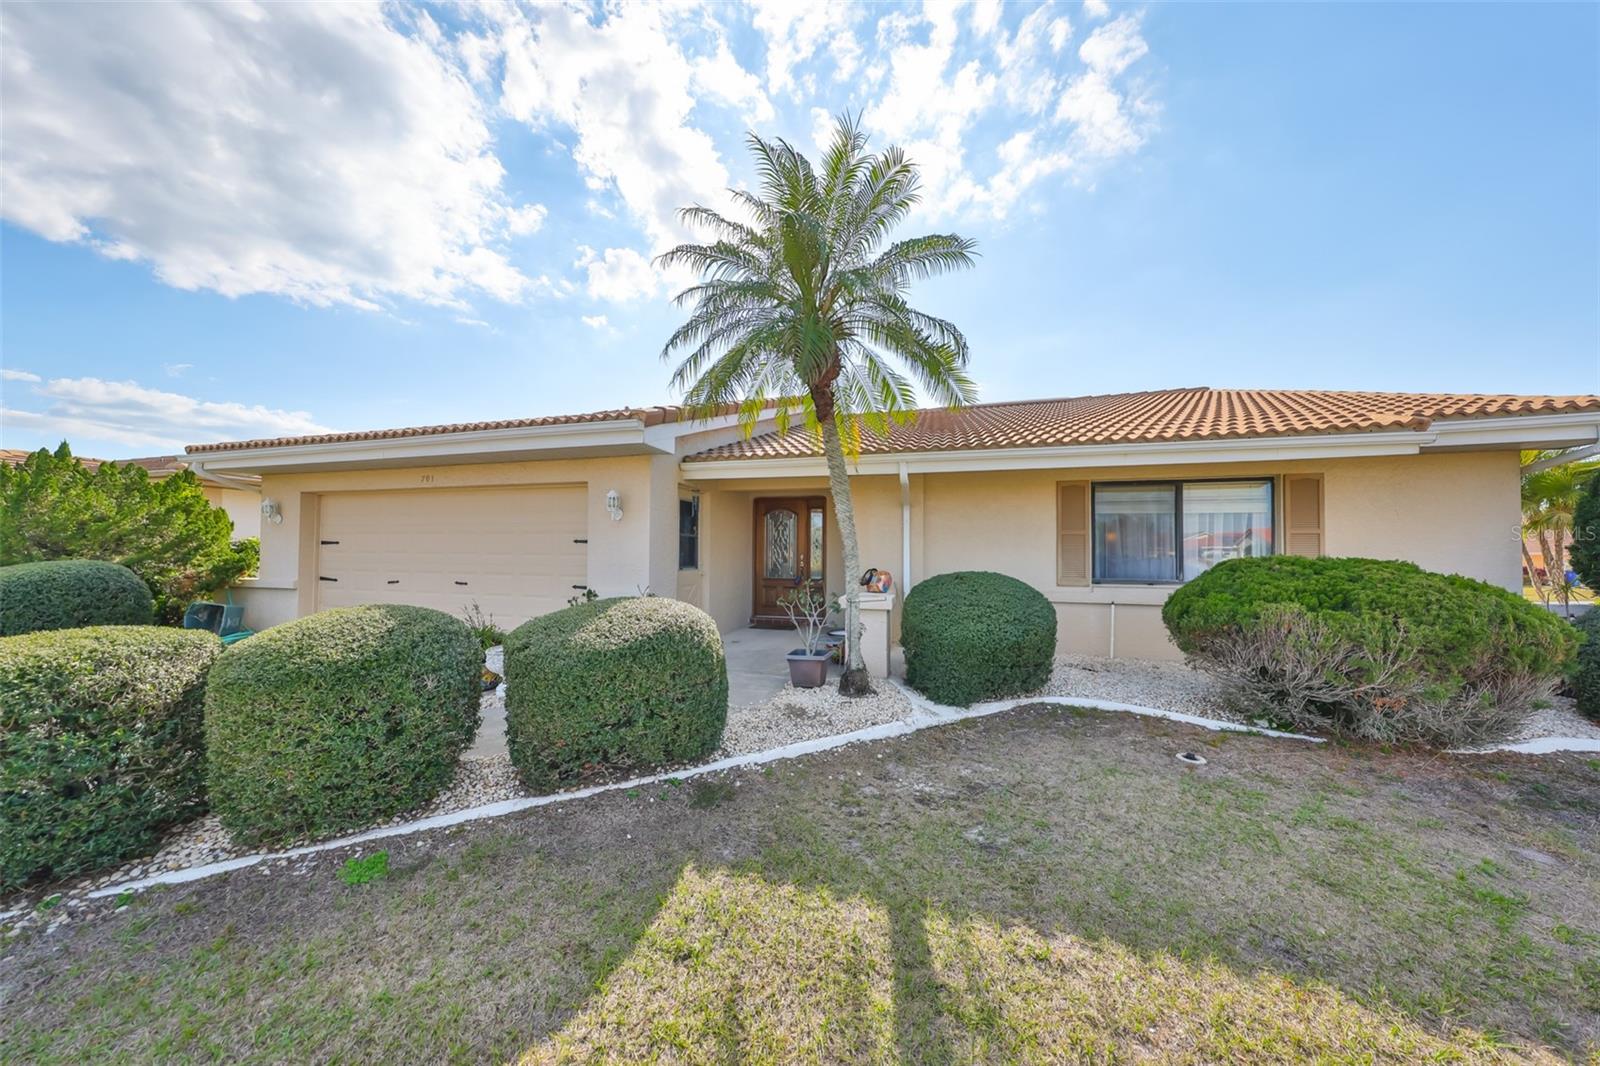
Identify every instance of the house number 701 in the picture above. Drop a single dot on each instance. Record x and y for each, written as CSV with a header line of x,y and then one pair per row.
x,y
427,479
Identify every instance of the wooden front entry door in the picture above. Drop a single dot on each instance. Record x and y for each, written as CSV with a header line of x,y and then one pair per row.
x,y
788,549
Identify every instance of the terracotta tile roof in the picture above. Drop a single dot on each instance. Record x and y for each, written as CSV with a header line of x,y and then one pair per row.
x,y
18,456
1165,415
650,416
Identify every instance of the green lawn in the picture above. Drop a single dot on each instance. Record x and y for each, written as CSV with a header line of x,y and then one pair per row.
x,y
1041,886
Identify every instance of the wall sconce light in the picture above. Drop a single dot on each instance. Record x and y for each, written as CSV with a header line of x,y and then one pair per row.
x,y
270,512
614,505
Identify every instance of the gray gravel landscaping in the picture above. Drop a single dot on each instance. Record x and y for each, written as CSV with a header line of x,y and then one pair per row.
x,y
1167,686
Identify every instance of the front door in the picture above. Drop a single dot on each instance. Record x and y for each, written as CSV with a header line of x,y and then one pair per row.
x,y
788,549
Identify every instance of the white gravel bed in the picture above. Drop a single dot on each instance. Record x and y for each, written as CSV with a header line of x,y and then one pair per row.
x,y
1166,686
1560,719
1175,686
807,714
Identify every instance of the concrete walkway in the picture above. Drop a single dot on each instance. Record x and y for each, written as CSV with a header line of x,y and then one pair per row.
x,y
757,671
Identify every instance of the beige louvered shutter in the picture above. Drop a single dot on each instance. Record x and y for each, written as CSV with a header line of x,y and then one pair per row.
x,y
1302,514
1072,533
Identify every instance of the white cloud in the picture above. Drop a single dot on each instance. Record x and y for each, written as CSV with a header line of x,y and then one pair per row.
x,y
521,221
1105,122
598,322
720,77
175,370
619,275
822,126
986,16
129,414
346,155
795,33
18,375
1114,47
332,153
623,85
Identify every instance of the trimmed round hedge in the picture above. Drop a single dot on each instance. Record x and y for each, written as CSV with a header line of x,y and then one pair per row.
x,y
338,720
101,744
1379,649
621,683
71,594
1586,678
975,635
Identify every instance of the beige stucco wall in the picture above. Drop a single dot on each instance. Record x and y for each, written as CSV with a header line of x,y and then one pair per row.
x,y
243,507
1456,512
1452,512
639,552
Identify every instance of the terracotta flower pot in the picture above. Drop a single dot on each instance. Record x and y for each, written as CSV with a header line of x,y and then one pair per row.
x,y
808,669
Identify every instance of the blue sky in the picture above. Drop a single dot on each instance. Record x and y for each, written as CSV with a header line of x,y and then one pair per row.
x,y
218,225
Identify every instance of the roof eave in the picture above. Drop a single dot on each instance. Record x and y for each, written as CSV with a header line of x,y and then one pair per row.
x,y
618,437
1144,453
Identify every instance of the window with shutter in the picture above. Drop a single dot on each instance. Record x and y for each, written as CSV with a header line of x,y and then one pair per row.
x,y
1302,514
1072,533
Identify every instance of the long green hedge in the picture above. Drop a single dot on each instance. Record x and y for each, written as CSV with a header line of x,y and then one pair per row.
x,y
614,684
338,720
71,594
1380,649
101,744
975,635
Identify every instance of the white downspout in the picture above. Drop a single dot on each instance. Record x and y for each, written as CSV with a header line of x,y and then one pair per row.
x,y
905,529
1112,652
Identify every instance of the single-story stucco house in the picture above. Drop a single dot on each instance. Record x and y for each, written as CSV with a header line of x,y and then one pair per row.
x,y
1103,503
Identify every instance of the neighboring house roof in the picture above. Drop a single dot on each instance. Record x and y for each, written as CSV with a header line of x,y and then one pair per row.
x,y
158,466
1168,415
649,416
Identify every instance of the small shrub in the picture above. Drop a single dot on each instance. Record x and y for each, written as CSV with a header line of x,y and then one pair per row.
x,y
483,626
100,744
974,635
616,684
339,719
71,594
1378,650
1586,678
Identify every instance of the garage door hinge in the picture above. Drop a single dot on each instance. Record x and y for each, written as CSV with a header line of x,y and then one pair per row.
x,y
327,579
392,581
461,582
580,540
327,542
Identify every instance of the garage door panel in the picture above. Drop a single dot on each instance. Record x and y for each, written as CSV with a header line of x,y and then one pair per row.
x,y
516,552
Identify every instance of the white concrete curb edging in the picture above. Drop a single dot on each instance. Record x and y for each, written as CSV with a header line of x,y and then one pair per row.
x,y
925,714
1538,746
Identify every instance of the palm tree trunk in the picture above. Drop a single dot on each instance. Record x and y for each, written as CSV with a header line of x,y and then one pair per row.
x,y
855,681
1533,575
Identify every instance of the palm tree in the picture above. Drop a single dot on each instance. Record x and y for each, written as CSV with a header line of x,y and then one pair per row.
x,y
1549,495
801,308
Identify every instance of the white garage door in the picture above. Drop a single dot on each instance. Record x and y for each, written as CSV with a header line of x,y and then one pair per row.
x,y
515,552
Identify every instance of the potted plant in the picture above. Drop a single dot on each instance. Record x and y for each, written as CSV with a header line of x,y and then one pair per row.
x,y
807,609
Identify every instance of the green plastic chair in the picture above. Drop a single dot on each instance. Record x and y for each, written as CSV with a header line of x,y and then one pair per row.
x,y
224,619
